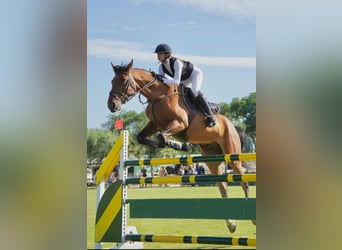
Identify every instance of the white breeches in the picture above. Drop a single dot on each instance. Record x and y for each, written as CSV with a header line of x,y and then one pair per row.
x,y
195,80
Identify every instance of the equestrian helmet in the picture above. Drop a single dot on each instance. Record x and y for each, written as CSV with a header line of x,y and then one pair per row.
x,y
163,48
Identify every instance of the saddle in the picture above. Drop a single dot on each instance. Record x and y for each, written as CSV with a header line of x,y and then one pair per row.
x,y
190,101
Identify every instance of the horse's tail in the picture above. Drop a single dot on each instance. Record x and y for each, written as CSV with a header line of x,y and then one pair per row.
x,y
247,142
243,137
247,146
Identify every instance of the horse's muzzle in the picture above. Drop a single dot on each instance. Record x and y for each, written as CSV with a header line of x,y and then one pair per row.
x,y
114,104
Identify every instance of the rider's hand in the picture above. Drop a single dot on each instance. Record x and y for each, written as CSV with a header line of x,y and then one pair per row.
x,y
157,76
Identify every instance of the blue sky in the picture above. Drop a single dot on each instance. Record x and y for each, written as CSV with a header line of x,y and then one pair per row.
x,y
219,36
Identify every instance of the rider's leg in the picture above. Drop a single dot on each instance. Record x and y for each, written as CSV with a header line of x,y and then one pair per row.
x,y
209,116
197,79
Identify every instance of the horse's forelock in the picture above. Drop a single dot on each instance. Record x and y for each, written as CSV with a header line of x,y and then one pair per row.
x,y
122,68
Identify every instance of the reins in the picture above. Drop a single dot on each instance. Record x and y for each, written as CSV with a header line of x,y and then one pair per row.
x,y
149,84
130,82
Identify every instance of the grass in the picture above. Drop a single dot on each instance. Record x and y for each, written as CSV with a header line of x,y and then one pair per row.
x,y
176,226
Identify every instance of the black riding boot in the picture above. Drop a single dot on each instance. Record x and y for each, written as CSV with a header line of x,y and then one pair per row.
x,y
209,116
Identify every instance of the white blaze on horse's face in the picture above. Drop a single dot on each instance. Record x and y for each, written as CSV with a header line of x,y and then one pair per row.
x,y
114,102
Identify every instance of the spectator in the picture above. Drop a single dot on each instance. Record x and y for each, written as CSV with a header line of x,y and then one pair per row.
x,y
143,173
181,170
162,172
198,168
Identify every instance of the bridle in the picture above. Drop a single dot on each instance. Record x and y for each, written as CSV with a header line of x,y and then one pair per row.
x,y
122,96
129,82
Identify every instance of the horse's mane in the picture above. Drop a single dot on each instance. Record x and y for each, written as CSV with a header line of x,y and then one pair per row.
x,y
143,69
123,66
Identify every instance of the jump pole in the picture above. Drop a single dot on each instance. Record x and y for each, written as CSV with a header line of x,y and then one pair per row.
x,y
118,152
129,237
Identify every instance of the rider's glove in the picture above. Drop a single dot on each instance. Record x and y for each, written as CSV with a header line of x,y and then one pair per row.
x,y
157,76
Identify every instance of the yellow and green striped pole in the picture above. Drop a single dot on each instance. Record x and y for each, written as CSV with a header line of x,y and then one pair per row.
x,y
192,159
111,160
234,241
192,179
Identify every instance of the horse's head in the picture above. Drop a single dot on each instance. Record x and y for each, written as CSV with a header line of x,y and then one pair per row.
x,y
123,87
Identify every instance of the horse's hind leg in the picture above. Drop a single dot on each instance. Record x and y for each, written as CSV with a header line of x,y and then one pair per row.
x,y
244,184
214,169
231,224
237,168
233,146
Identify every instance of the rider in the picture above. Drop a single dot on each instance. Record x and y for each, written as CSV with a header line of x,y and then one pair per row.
x,y
183,72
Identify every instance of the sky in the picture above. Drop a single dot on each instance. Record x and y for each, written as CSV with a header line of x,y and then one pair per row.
x,y
218,36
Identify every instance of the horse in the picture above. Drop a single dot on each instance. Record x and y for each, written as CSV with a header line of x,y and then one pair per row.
x,y
169,116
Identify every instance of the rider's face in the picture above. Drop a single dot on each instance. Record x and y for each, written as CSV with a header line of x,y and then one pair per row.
x,y
161,56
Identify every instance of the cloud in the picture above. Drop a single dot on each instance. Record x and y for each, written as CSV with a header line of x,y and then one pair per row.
x,y
222,61
124,51
235,8
118,50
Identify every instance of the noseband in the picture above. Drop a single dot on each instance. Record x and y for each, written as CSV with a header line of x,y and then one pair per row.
x,y
129,82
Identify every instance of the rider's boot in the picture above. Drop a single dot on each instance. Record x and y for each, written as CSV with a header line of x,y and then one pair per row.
x,y
210,120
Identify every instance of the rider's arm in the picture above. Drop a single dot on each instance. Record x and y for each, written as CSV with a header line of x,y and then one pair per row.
x,y
178,73
161,71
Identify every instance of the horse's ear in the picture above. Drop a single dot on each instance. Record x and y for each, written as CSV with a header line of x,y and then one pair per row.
x,y
129,66
115,68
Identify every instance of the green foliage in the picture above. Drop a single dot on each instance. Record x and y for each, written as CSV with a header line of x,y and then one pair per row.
x,y
99,143
224,108
242,112
134,123
131,119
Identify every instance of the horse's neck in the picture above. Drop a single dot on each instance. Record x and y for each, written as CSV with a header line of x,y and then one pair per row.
x,y
143,79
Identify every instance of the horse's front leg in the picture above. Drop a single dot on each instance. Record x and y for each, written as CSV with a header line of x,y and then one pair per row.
x,y
163,141
173,128
148,130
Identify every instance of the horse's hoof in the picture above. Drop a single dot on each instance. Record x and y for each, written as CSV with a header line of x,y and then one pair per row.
x,y
231,225
254,222
161,141
186,147
152,145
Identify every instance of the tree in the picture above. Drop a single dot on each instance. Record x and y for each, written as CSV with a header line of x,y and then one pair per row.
x,y
224,109
131,120
250,114
99,143
242,112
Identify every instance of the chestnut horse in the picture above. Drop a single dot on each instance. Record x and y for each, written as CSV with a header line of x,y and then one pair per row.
x,y
169,116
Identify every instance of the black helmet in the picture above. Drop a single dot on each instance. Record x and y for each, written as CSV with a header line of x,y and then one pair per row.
x,y
163,48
